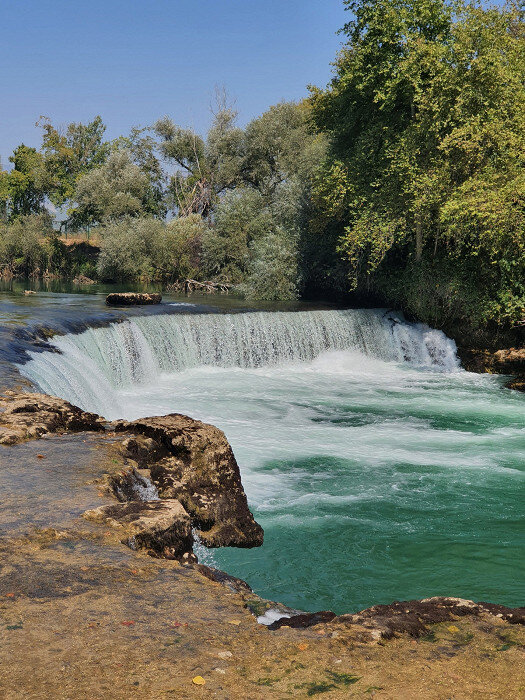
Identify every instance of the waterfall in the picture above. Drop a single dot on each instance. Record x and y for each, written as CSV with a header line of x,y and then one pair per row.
x,y
98,361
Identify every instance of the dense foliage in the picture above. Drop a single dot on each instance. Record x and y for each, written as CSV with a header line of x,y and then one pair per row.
x,y
166,204
402,182
425,179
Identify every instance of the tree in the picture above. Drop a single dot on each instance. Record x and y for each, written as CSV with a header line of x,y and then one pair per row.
x,y
239,218
71,153
26,244
23,190
128,247
205,168
425,114
178,255
116,189
280,144
142,148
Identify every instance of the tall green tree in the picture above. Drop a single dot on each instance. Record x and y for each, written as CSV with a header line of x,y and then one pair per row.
x,y
204,167
71,153
426,121
23,190
116,189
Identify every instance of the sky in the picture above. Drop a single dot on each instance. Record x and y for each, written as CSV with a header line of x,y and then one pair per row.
x,y
133,61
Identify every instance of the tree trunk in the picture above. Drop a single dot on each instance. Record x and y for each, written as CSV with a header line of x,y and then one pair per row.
x,y
419,238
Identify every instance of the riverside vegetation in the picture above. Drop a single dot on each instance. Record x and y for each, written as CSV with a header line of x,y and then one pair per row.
x,y
401,182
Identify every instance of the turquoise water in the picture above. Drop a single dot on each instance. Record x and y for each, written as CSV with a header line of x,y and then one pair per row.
x,y
378,469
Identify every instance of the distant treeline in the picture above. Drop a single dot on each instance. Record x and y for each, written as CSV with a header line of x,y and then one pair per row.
x,y
402,182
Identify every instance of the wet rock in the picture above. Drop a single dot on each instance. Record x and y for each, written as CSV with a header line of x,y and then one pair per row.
x,y
236,585
143,450
518,383
25,416
413,617
82,279
133,485
163,527
304,620
508,361
200,470
132,299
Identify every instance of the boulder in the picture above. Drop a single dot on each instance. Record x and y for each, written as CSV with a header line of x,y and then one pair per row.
x,y
132,299
162,527
82,279
507,361
194,463
518,383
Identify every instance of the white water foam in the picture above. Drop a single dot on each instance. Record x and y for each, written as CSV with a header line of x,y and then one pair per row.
x,y
90,366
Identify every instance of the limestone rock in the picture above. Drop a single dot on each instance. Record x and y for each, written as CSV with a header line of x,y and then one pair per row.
x,y
132,299
193,462
25,416
163,527
133,484
413,617
518,383
82,279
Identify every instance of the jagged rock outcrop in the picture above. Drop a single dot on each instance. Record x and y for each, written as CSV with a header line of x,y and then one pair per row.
x,y
410,617
82,279
190,463
162,527
194,463
25,416
132,299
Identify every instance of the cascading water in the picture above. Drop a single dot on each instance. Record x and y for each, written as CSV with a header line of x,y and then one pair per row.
x,y
377,469
91,365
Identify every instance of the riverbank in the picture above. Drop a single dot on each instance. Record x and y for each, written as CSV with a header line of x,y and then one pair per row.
x,y
157,627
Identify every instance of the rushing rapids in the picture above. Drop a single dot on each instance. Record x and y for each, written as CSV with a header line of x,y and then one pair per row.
x,y
378,469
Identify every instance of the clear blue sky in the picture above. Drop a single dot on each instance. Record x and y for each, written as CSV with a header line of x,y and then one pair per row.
x,y
133,61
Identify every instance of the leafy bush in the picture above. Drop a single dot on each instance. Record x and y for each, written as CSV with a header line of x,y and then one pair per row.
x,y
240,218
25,244
273,272
178,253
128,249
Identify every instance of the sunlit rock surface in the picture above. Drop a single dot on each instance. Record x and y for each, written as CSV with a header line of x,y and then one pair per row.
x,y
132,299
26,416
194,463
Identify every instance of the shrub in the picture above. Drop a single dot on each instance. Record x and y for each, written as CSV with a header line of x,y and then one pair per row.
x,y
178,254
128,248
273,271
240,219
25,244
